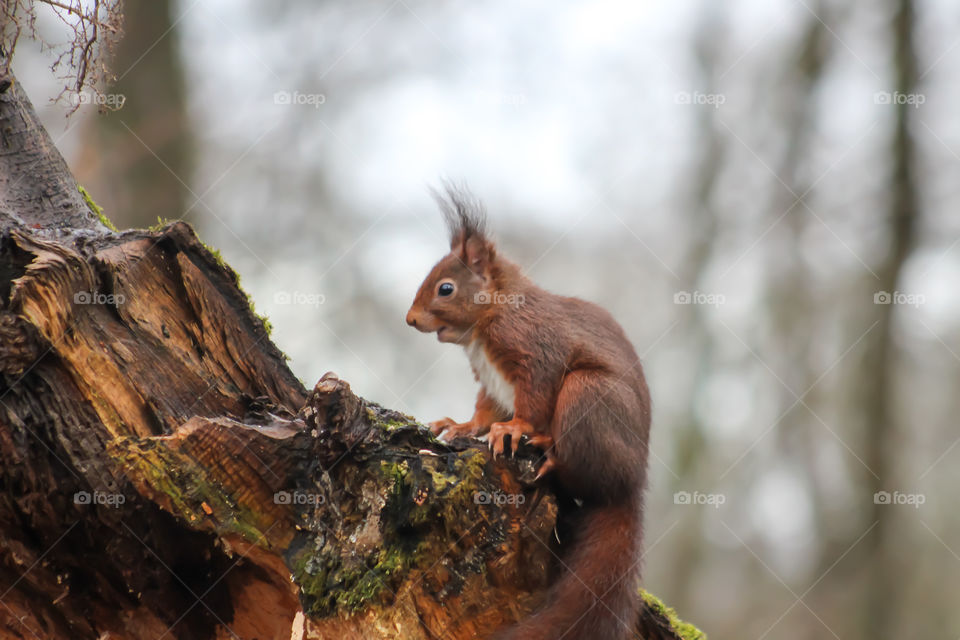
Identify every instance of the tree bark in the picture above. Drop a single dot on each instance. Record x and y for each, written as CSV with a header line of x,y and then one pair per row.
x,y
166,476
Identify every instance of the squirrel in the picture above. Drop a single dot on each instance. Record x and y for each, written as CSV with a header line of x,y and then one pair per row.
x,y
560,372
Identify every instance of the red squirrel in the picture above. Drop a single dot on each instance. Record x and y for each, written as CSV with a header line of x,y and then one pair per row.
x,y
560,372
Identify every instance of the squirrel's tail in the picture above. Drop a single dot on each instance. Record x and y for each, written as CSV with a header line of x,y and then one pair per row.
x,y
597,596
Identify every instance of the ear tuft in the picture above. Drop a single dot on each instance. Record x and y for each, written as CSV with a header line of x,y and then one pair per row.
x,y
465,216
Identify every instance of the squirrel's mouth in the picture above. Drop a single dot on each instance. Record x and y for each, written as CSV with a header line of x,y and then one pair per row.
x,y
447,334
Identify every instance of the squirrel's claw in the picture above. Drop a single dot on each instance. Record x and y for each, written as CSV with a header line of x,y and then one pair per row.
x,y
439,426
541,440
515,428
547,466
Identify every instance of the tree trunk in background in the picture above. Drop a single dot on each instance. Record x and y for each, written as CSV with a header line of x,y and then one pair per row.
x,y
690,441
166,476
147,169
792,301
882,552
788,286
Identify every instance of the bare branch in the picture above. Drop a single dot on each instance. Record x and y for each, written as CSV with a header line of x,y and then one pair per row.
x,y
96,28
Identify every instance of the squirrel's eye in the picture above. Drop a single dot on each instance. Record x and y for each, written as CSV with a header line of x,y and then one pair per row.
x,y
445,289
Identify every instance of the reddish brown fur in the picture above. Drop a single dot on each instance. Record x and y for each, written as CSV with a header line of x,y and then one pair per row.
x,y
579,390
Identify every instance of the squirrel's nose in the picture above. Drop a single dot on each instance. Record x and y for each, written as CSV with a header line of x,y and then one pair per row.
x,y
411,319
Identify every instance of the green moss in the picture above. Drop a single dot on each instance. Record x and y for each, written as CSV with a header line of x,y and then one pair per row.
x,y
187,489
418,496
161,223
96,209
310,569
267,325
329,583
441,493
396,470
460,486
683,629
388,419
386,423
219,258
373,584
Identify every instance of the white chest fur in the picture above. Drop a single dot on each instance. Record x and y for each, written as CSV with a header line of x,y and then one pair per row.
x,y
496,386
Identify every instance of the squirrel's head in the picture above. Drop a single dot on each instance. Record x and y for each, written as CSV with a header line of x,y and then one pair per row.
x,y
457,292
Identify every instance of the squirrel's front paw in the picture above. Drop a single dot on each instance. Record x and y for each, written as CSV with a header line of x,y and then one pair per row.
x,y
437,426
448,429
515,428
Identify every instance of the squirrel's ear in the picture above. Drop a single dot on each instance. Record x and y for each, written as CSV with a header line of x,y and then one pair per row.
x,y
478,254
474,251
466,220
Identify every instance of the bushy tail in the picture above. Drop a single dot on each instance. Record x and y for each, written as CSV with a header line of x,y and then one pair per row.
x,y
597,596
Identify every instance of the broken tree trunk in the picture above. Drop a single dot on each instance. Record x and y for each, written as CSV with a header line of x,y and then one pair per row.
x,y
166,476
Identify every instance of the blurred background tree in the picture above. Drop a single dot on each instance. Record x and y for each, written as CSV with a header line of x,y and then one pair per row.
x,y
788,168
139,162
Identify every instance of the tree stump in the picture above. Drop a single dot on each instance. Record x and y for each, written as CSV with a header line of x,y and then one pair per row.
x,y
165,475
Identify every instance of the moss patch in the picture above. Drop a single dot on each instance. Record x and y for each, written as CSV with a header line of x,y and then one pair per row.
x,y
388,421
333,580
267,325
683,629
97,210
417,501
161,223
218,258
182,486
